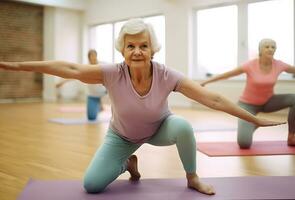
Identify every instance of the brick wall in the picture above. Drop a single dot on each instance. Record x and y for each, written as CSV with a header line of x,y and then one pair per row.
x,y
21,39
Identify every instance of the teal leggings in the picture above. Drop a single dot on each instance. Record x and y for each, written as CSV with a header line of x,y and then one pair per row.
x,y
110,159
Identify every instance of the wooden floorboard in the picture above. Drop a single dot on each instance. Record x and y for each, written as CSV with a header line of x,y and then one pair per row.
x,y
31,147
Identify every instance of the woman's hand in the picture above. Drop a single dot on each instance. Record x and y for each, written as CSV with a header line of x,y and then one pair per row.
x,y
68,70
9,66
265,122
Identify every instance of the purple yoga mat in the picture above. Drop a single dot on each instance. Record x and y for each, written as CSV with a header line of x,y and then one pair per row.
x,y
237,188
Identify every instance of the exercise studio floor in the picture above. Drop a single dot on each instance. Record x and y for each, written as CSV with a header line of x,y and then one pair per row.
x,y
33,147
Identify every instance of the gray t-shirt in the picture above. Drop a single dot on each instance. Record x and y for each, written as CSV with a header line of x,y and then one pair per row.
x,y
136,118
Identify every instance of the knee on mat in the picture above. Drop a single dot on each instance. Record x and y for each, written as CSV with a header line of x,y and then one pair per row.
x,y
245,144
91,117
92,186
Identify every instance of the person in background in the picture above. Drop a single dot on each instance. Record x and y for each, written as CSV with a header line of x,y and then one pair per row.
x,y
95,92
258,96
138,89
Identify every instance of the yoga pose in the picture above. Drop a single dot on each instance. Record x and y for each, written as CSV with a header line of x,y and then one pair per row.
x,y
258,95
94,91
138,89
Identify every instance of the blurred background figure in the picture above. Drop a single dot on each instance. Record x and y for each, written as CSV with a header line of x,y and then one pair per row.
x,y
258,96
95,92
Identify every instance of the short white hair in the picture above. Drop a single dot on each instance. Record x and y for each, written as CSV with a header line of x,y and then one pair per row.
x,y
265,41
133,27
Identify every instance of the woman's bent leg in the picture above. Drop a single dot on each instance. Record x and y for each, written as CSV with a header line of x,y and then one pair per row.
x,y
281,101
176,130
246,129
110,160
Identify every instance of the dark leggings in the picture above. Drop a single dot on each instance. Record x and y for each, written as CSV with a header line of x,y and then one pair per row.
x,y
275,103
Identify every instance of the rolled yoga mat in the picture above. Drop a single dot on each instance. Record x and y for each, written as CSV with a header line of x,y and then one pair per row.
x,y
237,188
77,121
102,117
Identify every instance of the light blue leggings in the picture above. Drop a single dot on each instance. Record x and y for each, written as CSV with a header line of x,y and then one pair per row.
x,y
93,107
275,103
110,159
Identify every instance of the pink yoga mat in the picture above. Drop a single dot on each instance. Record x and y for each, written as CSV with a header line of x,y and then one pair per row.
x,y
257,148
233,188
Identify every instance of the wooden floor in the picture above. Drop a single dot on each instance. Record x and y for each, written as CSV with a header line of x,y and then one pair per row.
x,y
32,147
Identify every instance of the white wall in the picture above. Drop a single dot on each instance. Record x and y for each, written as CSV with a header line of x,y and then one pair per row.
x,y
62,41
69,4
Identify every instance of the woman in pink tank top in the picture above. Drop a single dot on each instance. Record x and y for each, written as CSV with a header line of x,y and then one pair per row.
x,y
138,89
258,95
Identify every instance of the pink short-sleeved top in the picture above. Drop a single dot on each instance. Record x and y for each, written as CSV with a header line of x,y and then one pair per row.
x,y
136,118
259,86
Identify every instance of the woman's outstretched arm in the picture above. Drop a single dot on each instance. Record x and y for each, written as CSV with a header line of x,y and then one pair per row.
x,y
290,70
226,75
84,73
215,101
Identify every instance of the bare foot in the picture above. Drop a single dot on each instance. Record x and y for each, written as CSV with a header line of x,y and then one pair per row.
x,y
132,168
291,139
193,182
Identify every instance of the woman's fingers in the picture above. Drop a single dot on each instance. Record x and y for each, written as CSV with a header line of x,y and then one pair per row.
x,y
264,122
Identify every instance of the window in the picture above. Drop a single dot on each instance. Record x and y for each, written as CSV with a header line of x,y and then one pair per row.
x,y
118,56
102,42
102,38
158,23
222,44
272,19
217,39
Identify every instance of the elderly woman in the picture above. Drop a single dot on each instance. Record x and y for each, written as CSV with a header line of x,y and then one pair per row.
x,y
138,89
258,95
